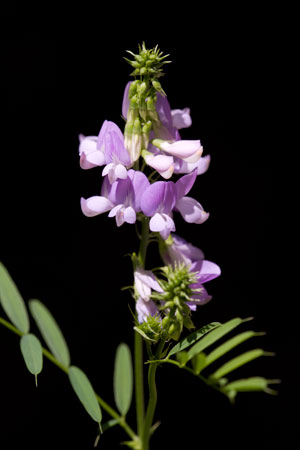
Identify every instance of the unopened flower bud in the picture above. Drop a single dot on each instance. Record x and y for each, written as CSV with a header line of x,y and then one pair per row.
x,y
151,108
142,87
133,88
145,133
157,86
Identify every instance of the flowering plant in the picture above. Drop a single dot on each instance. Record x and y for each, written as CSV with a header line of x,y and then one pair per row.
x,y
137,188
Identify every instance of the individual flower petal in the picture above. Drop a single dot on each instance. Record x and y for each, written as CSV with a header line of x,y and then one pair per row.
x,y
159,197
201,165
129,215
181,251
206,270
185,184
191,210
187,150
163,224
90,156
107,128
125,103
200,298
95,205
144,281
162,164
114,172
181,118
115,150
145,309
139,184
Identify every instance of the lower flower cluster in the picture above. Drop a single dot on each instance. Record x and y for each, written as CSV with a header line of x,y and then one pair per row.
x,y
165,305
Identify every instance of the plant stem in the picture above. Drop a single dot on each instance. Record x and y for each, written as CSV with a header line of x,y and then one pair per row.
x,y
152,397
101,402
138,342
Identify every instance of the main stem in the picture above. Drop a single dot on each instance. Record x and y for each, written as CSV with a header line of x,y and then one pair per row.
x,y
152,397
138,342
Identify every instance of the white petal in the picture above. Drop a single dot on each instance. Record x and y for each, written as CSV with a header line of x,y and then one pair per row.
x,y
95,205
191,210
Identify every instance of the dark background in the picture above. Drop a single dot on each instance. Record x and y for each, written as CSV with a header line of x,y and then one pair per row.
x,y
55,88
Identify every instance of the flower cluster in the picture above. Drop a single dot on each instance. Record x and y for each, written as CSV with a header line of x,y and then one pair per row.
x,y
137,167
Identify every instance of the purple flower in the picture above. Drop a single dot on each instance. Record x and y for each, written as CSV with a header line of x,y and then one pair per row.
x,y
111,143
145,309
180,251
157,202
189,208
107,149
201,165
122,198
181,118
90,156
144,282
160,198
205,271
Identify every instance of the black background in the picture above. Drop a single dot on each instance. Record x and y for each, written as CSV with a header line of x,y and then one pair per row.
x,y
57,87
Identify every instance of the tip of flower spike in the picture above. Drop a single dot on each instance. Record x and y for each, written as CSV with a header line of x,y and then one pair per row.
x,y
147,61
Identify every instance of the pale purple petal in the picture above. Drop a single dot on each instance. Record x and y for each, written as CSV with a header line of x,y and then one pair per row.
x,y
187,150
191,210
146,278
158,197
95,205
114,149
201,165
96,158
181,118
181,251
145,309
206,270
162,163
125,103
107,128
139,184
201,298
129,215
185,184
114,172
163,224
88,144
114,210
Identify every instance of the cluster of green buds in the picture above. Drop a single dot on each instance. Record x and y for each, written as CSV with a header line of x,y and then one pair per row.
x,y
177,292
142,97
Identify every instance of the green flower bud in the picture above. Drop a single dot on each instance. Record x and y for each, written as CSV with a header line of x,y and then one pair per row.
x,y
157,86
151,108
142,88
133,88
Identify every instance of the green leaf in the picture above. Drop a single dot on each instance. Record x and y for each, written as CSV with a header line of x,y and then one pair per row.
x,y
32,353
214,336
229,345
50,331
247,385
237,362
85,392
182,358
123,378
193,337
12,301
198,362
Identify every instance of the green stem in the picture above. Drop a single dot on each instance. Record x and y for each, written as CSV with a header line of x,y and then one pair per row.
x,y
101,402
138,342
152,397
